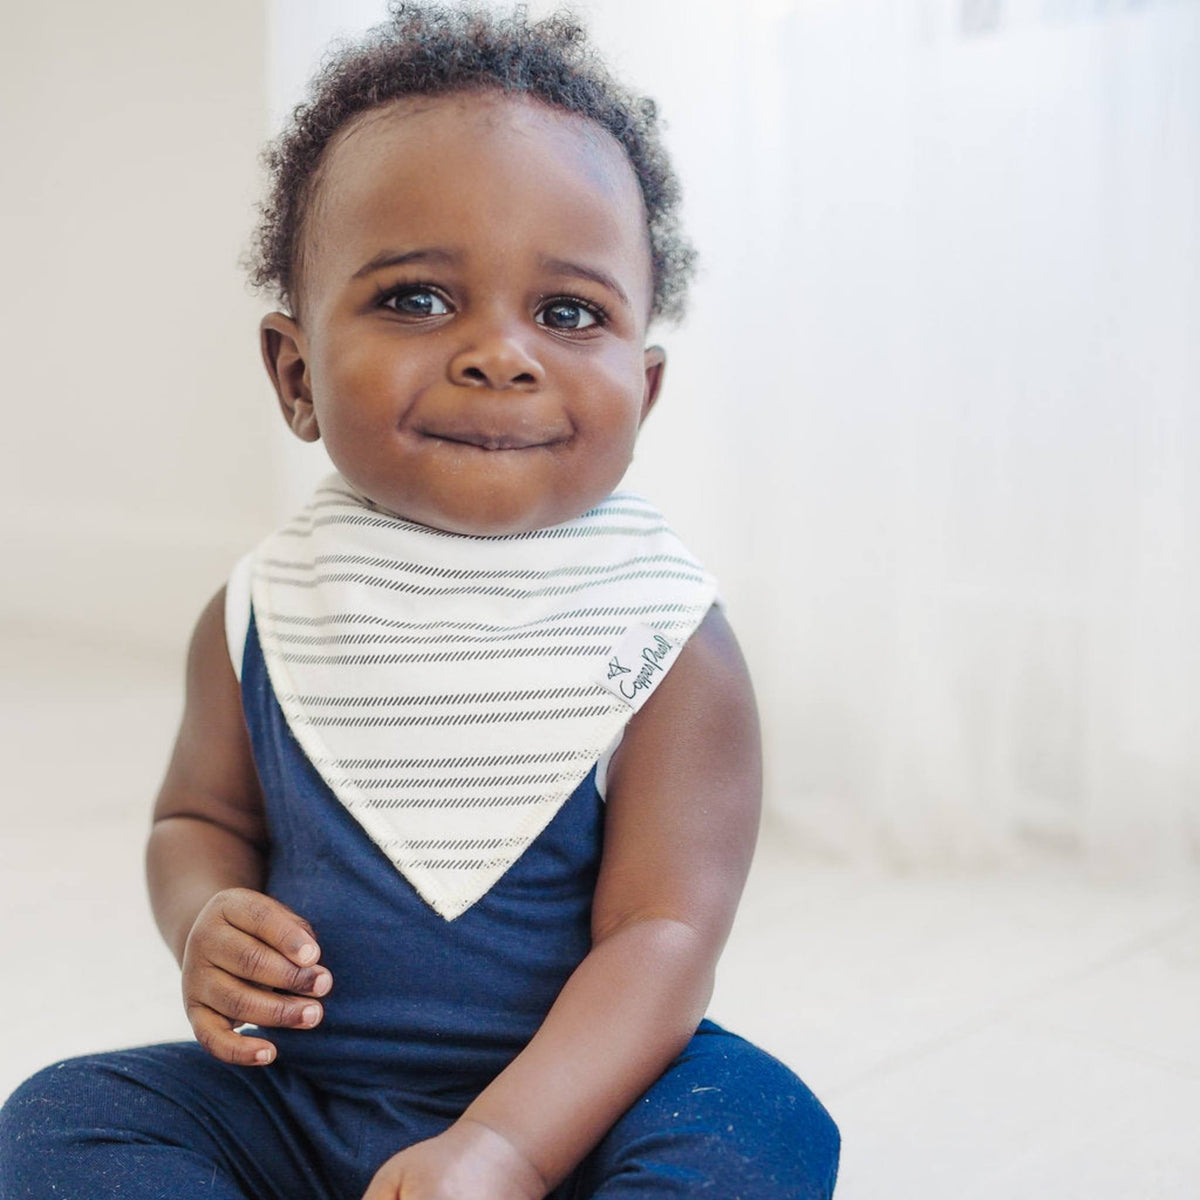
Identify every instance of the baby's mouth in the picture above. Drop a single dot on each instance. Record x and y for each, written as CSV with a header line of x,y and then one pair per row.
x,y
491,441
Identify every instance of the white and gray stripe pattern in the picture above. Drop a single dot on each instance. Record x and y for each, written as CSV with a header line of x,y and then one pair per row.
x,y
453,691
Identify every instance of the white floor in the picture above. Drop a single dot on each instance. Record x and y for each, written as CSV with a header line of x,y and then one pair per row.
x,y
978,1038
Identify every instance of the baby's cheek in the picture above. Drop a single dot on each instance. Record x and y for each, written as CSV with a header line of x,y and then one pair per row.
x,y
611,434
591,474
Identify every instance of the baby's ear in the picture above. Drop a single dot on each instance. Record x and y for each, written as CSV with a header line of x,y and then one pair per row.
x,y
656,365
285,354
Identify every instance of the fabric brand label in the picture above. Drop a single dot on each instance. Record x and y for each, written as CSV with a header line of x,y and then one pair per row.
x,y
636,663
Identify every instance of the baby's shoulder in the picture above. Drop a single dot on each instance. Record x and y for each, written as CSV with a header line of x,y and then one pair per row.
x,y
708,683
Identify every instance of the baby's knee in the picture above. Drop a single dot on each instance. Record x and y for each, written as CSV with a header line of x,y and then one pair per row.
x,y
773,1123
729,1120
38,1114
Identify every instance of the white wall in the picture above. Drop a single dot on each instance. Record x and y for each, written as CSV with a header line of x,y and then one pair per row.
x,y
134,401
936,415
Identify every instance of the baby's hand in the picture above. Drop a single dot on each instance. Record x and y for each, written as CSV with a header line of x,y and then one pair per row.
x,y
242,945
469,1161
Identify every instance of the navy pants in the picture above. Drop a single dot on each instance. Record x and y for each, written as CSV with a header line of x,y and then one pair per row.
x,y
169,1121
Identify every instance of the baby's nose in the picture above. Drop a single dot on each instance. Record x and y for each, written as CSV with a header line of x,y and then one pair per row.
x,y
497,358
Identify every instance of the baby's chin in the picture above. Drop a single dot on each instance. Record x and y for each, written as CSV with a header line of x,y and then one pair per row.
x,y
496,496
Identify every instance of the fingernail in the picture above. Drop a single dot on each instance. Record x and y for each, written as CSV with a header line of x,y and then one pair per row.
x,y
323,983
264,1056
311,1014
308,953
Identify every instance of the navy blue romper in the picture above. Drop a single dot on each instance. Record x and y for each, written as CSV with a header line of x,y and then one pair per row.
x,y
423,1014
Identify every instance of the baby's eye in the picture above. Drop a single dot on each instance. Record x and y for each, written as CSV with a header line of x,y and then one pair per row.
x,y
416,302
566,314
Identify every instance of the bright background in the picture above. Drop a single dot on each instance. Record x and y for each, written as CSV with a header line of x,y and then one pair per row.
x,y
934,421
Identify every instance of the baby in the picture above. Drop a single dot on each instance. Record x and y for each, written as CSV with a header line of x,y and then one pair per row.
x,y
467,782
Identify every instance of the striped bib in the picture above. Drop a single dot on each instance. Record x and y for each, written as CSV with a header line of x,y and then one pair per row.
x,y
453,691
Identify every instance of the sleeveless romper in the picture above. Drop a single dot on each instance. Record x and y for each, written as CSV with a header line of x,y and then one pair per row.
x,y
424,1012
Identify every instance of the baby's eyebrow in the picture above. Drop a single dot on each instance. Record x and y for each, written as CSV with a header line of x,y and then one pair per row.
x,y
395,258
560,266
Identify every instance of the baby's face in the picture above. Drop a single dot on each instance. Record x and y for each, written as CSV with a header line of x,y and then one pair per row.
x,y
475,294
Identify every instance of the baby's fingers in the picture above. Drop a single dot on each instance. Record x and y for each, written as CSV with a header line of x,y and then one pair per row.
x,y
248,958
265,918
215,1033
243,1004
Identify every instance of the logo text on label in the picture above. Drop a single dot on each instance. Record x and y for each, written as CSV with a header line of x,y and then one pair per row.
x,y
636,664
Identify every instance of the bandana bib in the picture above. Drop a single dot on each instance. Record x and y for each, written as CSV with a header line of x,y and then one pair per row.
x,y
453,691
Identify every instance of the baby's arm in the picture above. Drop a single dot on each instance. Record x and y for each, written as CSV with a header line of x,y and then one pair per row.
x,y
205,865
682,815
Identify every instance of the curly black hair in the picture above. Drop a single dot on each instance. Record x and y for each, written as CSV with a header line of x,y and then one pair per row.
x,y
431,49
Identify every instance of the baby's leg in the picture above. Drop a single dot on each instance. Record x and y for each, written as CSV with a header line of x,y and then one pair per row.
x,y
158,1121
725,1120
